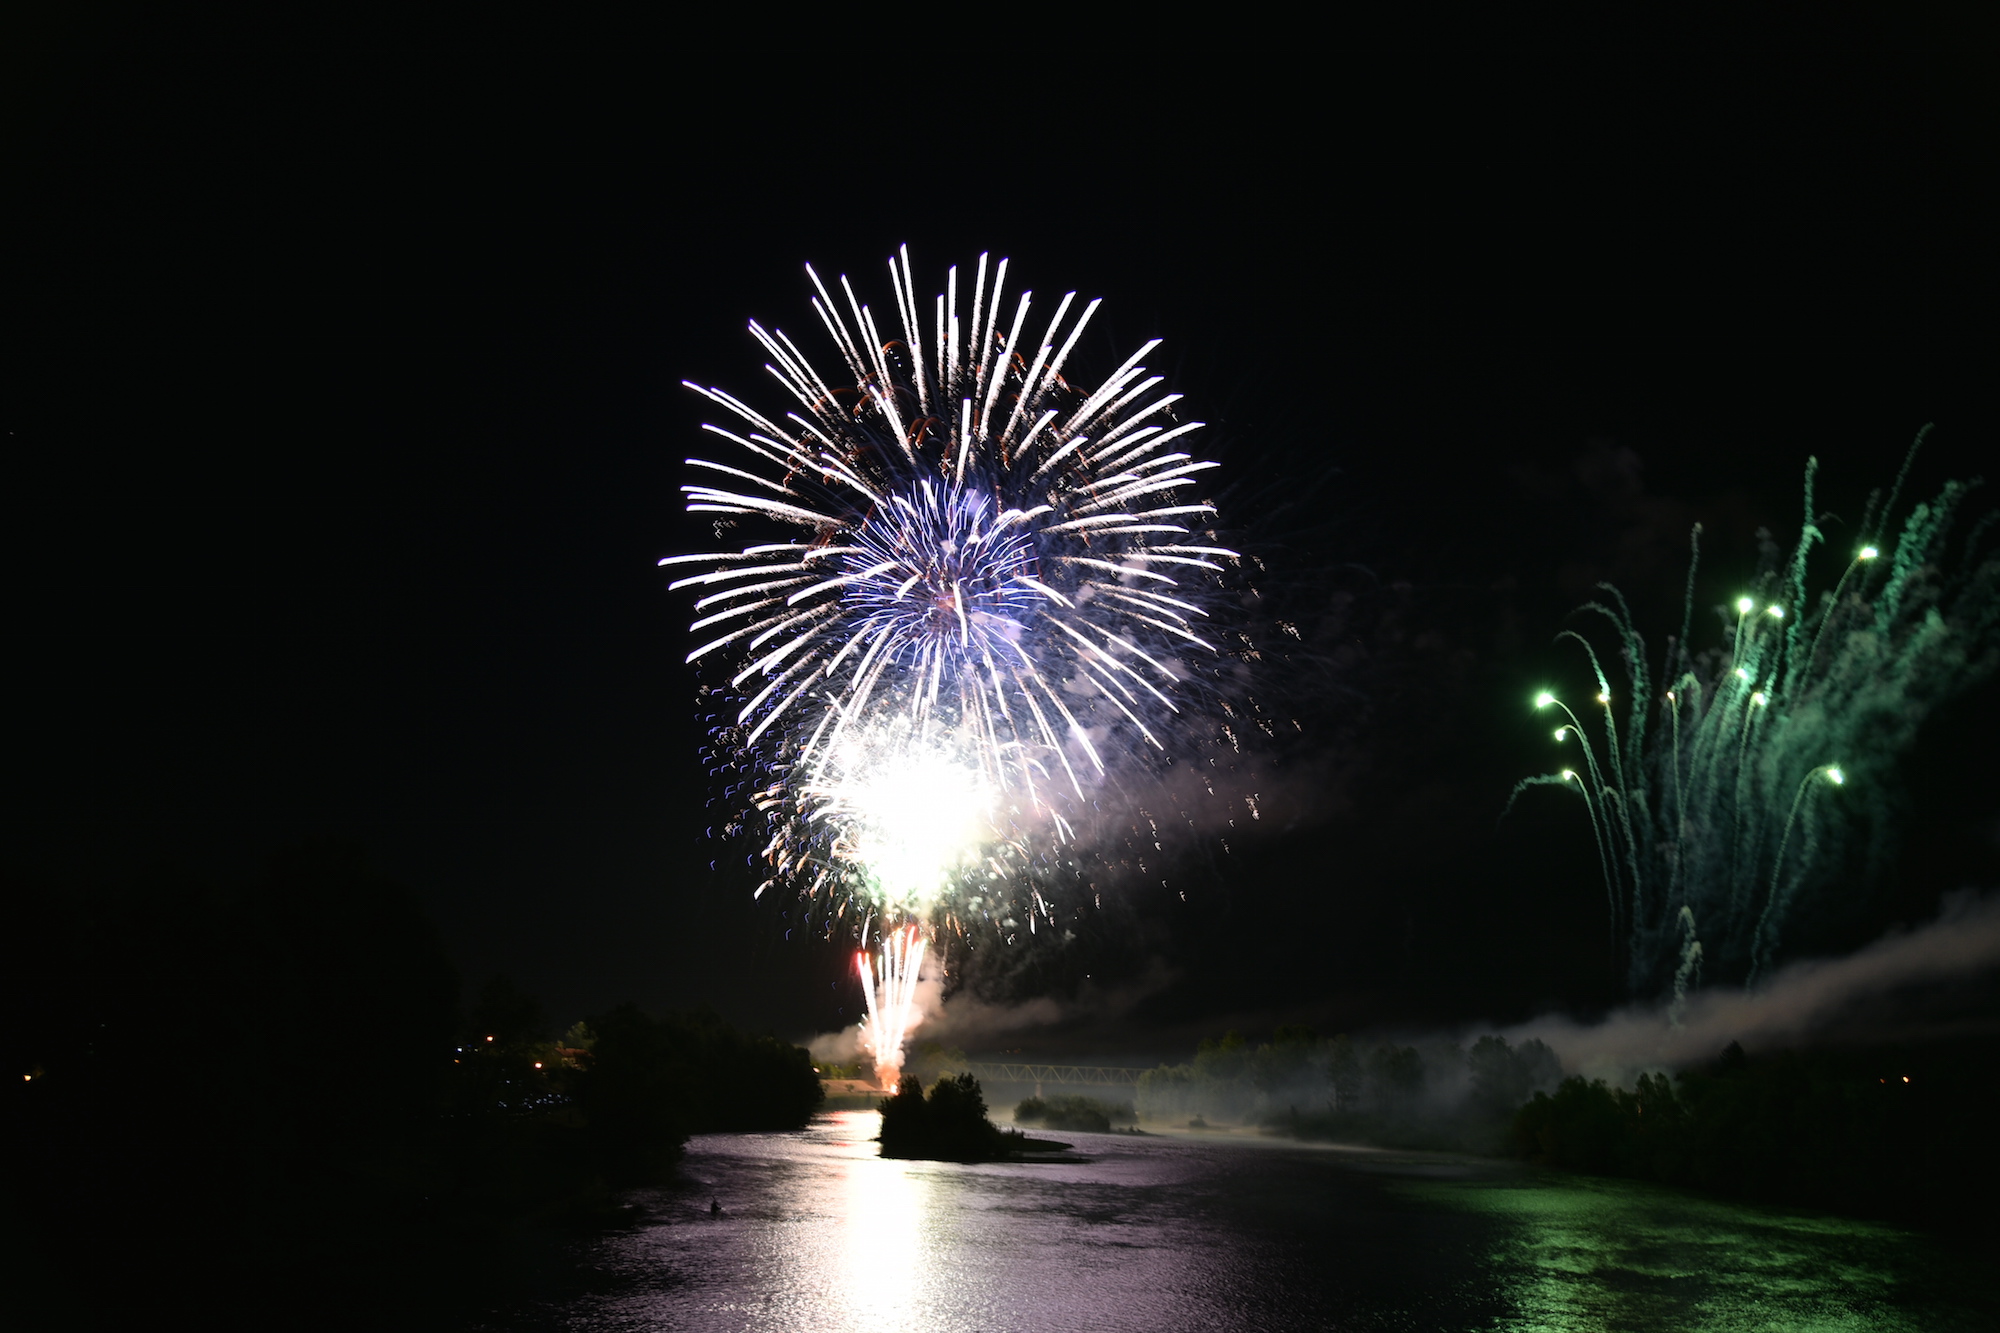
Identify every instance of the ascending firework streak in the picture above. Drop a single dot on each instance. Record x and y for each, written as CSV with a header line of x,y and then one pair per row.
x,y
1718,825
891,991
974,590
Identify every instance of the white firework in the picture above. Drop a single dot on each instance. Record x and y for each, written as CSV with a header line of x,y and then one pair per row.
x,y
980,589
890,988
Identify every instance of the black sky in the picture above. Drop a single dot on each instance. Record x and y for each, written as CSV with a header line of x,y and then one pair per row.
x,y
344,432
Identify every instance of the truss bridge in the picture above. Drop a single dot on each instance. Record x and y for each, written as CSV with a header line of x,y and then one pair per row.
x,y
1091,1076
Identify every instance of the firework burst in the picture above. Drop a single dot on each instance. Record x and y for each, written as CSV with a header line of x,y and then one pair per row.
x,y
1741,803
977,589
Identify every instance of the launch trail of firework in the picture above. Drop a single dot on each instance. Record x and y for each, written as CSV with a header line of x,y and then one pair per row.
x,y
974,591
890,989
1718,824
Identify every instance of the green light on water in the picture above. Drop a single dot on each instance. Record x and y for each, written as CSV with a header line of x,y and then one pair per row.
x,y
1572,1253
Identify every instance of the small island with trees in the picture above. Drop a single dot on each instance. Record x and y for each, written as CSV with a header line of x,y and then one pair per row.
x,y
1078,1115
950,1125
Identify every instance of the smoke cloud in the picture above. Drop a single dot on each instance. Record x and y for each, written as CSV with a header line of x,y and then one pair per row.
x,y
1897,979
967,1021
1820,1000
837,1048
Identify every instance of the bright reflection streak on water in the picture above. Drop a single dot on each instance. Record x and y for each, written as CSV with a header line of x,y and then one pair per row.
x,y
881,1244
818,1233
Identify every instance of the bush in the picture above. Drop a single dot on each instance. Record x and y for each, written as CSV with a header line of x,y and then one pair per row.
x,y
648,1083
950,1125
1896,1130
1329,1088
1075,1114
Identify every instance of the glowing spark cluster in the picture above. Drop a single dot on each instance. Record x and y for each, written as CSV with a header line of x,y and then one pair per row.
x,y
890,988
1715,827
973,589
906,814
988,582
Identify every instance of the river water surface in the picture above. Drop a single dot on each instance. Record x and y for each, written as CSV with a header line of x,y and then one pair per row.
x,y
817,1232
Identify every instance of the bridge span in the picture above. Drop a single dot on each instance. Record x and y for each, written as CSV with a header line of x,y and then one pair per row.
x,y
1097,1076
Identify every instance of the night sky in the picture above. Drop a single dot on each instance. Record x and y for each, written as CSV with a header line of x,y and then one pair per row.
x,y
342,445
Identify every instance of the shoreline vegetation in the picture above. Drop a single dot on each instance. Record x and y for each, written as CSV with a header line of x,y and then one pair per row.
x,y
287,1073
1077,1114
1438,1098
1899,1131
1894,1131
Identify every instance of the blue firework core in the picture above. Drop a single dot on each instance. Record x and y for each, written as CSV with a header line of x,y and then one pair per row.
x,y
945,573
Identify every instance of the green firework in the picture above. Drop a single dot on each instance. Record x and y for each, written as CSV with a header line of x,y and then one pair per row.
x,y
1754,776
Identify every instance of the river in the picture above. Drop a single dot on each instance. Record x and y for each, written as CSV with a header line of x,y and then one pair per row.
x,y
1206,1232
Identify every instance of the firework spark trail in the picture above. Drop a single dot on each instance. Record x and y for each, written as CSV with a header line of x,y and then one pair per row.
x,y
891,990
1714,830
988,592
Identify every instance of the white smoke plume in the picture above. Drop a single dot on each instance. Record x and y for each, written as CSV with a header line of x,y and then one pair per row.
x,y
967,1021
1813,1001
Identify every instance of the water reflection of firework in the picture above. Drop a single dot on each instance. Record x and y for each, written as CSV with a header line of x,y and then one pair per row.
x,y
891,990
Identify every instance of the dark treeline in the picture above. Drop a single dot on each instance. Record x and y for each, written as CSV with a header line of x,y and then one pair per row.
x,y
1073,1113
1904,1132
1437,1096
277,1088
1887,1131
